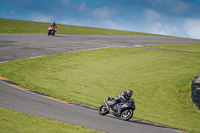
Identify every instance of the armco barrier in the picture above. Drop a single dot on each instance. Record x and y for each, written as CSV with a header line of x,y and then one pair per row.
x,y
195,91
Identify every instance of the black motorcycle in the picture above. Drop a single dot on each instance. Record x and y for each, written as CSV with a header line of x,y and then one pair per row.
x,y
124,110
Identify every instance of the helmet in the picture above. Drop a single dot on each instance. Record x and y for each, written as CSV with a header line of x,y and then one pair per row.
x,y
54,23
129,93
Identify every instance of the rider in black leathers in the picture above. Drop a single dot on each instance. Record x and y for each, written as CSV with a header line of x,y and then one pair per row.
x,y
123,97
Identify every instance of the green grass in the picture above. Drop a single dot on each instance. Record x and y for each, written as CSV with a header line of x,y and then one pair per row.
x,y
18,122
20,26
180,47
160,80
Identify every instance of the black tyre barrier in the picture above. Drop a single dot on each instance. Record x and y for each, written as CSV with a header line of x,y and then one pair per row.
x,y
195,91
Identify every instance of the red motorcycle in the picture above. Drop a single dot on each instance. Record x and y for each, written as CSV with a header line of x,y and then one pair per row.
x,y
51,31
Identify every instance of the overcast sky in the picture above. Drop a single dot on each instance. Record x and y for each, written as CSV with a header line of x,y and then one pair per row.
x,y
168,17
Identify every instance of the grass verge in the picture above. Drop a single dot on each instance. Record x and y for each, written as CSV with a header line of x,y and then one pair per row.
x,y
160,79
18,122
20,26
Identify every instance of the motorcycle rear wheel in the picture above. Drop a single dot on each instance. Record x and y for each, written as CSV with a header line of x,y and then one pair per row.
x,y
127,114
103,110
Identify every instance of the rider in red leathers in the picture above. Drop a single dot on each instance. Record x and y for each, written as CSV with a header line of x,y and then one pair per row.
x,y
54,26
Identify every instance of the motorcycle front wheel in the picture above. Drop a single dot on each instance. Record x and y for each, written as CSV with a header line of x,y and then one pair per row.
x,y
127,114
103,110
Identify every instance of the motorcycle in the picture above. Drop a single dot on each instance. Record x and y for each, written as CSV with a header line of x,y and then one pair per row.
x,y
51,31
124,110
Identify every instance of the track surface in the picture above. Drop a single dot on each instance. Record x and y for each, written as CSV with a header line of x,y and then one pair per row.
x,y
19,46
15,46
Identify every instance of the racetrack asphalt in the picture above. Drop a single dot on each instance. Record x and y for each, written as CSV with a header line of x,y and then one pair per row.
x,y
20,46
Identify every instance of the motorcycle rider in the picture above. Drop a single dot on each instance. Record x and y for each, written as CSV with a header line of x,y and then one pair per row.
x,y
54,26
123,97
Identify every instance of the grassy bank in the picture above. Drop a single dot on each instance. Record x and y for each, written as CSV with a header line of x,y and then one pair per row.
x,y
18,122
160,79
20,26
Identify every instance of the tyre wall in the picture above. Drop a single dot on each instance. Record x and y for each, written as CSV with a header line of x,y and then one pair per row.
x,y
195,91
